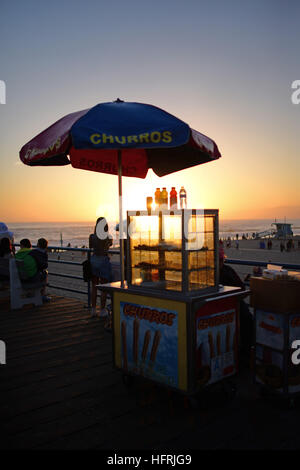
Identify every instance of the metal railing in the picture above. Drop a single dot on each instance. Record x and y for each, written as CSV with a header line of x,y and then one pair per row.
x,y
60,249
74,263
70,276
262,263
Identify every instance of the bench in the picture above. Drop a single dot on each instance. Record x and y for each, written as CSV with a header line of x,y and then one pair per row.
x,y
22,292
4,280
4,269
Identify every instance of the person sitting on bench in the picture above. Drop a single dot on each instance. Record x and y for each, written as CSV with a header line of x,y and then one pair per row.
x,y
29,269
30,272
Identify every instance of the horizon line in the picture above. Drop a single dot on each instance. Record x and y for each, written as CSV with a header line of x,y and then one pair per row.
x,y
116,220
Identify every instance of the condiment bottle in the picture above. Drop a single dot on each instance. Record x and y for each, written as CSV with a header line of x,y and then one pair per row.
x,y
182,197
149,202
164,197
157,198
173,198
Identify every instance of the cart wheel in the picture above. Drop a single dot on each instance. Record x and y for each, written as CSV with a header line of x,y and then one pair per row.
x,y
127,380
290,403
203,401
264,392
230,390
193,402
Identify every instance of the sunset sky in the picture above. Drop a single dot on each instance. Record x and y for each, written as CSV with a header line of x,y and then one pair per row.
x,y
225,68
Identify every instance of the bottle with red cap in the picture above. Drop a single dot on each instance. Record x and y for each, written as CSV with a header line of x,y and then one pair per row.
x,y
173,198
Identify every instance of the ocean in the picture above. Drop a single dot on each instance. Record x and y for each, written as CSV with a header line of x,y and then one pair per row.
x,y
77,233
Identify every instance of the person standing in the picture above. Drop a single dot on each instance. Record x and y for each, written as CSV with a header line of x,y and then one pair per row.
x,y
289,245
6,252
100,241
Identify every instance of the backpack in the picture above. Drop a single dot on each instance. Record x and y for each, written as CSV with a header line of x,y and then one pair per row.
x,y
87,270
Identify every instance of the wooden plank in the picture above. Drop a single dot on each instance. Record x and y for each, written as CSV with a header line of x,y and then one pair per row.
x,y
59,390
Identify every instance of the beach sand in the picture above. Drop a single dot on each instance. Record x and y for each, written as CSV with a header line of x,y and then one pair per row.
x,y
248,250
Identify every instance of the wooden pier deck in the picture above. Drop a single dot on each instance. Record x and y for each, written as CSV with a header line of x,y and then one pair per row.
x,y
59,390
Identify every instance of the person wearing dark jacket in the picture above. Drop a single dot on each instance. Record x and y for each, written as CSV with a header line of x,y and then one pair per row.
x,y
6,252
40,255
6,248
100,241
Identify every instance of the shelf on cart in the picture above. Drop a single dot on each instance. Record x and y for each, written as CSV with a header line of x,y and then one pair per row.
x,y
169,268
155,248
162,285
170,285
168,250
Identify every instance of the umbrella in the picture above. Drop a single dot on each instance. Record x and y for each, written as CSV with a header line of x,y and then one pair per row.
x,y
122,138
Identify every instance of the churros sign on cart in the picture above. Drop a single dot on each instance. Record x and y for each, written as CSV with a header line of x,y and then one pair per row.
x,y
149,342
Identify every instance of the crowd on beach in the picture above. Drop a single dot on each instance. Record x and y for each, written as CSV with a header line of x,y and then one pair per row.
x,y
268,243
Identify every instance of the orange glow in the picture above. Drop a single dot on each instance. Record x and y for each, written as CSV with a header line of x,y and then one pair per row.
x,y
251,180
64,194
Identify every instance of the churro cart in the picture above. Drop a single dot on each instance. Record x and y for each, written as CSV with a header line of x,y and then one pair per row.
x,y
172,322
276,305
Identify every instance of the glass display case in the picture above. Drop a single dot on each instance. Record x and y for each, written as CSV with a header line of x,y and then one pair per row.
x,y
173,250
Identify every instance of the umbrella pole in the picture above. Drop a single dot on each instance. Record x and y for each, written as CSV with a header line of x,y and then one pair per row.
x,y
121,217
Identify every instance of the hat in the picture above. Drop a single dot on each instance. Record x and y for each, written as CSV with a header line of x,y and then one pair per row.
x,y
4,232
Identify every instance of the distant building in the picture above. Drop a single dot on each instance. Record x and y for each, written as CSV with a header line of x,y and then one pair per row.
x,y
283,230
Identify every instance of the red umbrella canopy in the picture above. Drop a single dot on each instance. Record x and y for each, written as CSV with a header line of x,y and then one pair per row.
x,y
146,136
